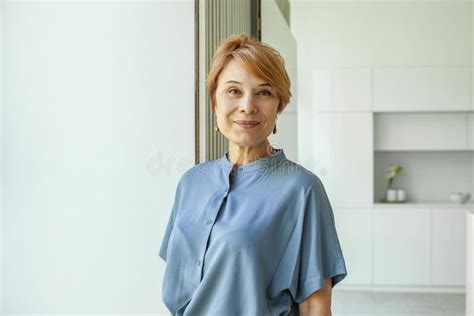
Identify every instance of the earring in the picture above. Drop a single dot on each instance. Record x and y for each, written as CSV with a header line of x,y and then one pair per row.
x,y
216,129
274,129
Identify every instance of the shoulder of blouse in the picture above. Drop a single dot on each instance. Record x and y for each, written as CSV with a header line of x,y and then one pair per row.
x,y
302,176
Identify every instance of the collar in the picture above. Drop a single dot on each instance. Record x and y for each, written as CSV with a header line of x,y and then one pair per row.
x,y
259,165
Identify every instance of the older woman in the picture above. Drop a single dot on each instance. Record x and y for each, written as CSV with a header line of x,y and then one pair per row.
x,y
252,232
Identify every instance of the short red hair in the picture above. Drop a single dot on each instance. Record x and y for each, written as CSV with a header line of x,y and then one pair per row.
x,y
258,58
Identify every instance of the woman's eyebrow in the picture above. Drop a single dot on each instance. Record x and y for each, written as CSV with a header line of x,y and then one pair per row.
x,y
261,85
232,81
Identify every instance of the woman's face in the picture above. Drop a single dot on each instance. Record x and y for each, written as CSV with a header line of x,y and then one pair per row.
x,y
241,96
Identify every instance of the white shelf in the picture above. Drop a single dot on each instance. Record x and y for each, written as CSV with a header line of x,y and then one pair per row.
x,y
426,205
423,131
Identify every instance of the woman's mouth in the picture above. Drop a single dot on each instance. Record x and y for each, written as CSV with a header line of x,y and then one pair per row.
x,y
247,124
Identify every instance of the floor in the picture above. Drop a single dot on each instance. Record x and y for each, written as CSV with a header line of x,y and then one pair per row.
x,y
350,303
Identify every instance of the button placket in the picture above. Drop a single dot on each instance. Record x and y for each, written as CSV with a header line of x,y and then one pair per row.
x,y
208,223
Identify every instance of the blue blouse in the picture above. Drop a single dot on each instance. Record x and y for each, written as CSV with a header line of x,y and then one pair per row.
x,y
253,240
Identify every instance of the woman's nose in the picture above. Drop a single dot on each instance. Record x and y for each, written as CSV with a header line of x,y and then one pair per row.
x,y
247,104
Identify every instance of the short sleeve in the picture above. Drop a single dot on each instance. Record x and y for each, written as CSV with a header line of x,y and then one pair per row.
x,y
320,254
169,227
312,252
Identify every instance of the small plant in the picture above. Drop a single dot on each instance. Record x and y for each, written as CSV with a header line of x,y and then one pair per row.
x,y
392,171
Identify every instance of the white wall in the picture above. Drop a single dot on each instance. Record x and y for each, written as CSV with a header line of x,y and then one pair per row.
x,y
383,33
96,96
276,32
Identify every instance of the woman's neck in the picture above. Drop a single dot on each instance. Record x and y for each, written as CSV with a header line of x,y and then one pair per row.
x,y
240,155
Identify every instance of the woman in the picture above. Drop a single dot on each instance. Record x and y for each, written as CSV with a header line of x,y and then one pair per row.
x,y
250,233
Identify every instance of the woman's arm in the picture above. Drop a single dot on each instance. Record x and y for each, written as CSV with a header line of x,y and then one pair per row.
x,y
318,303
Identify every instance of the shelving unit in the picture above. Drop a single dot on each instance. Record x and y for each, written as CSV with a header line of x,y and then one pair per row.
x,y
423,119
434,148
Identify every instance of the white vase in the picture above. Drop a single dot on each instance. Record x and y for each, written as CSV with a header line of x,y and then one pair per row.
x,y
401,195
391,195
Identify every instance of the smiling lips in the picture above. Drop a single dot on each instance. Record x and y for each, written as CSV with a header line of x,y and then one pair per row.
x,y
247,124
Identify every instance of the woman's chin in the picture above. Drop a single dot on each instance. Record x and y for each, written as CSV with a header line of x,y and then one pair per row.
x,y
247,141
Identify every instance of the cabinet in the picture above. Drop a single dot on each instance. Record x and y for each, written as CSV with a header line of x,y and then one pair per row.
x,y
414,89
448,246
343,150
470,262
342,89
420,245
402,246
362,120
354,229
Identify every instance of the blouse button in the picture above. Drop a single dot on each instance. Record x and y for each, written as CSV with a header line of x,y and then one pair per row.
x,y
209,222
198,262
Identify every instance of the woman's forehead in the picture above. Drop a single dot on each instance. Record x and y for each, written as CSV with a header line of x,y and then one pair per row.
x,y
235,73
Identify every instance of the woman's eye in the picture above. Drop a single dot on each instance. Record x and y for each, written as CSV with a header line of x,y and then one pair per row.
x,y
266,92
233,90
